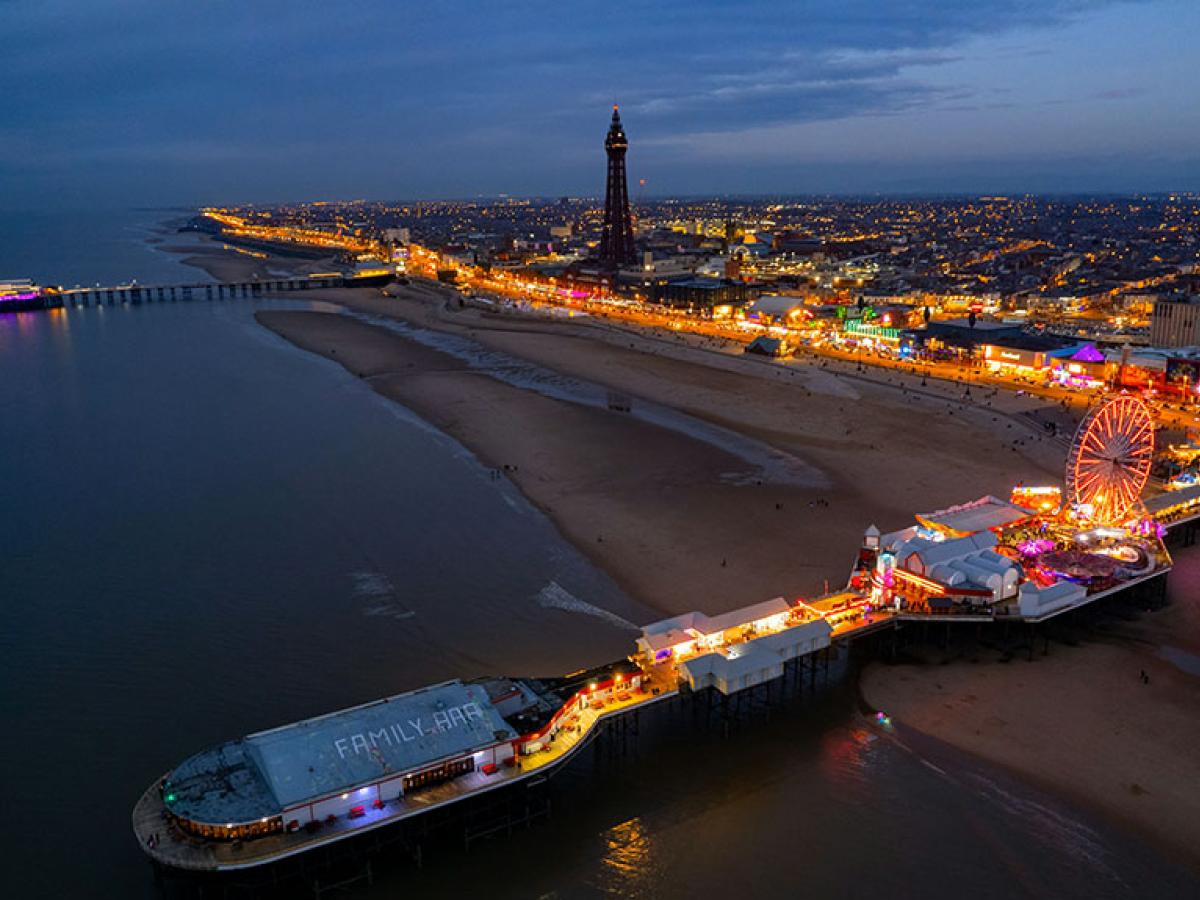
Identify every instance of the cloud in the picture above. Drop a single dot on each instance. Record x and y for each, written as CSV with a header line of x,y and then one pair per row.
x,y
394,98
1127,93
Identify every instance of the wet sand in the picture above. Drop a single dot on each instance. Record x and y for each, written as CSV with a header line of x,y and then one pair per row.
x,y
656,508
228,265
646,503
1079,720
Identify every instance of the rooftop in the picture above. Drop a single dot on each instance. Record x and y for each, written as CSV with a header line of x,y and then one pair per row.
x,y
668,632
978,515
981,326
265,773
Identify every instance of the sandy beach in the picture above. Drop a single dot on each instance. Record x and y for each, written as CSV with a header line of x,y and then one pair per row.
x,y
1079,720
658,510
679,523
223,262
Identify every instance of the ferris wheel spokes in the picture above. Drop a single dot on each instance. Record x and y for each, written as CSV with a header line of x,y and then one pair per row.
x,y
1110,458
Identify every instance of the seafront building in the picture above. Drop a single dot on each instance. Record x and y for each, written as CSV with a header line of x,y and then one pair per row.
x,y
21,294
1080,295
1175,322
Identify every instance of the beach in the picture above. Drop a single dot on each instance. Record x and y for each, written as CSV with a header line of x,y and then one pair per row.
x,y
227,263
680,523
1079,720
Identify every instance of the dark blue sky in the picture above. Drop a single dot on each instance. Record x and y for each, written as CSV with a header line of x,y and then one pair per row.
x,y
111,102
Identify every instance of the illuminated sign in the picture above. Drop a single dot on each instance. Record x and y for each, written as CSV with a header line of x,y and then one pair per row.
x,y
875,331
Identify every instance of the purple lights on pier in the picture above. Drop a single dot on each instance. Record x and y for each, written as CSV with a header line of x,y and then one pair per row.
x,y
19,298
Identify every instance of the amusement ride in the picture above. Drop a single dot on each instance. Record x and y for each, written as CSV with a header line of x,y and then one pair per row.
x,y
1110,459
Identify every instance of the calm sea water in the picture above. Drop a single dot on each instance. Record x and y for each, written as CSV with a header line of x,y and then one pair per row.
x,y
207,532
91,247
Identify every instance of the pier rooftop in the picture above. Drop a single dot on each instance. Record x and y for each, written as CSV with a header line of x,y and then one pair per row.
x,y
265,775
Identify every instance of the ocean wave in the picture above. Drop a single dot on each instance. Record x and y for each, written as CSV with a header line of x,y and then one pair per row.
x,y
555,596
378,587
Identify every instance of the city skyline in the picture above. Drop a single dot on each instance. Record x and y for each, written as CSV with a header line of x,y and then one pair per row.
x,y
165,104
623,449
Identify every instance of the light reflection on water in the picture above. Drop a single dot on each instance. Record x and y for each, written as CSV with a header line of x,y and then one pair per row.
x,y
846,757
628,867
815,801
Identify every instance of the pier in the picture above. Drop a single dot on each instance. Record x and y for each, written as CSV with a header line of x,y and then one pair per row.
x,y
1179,514
178,850
719,666
241,290
1010,565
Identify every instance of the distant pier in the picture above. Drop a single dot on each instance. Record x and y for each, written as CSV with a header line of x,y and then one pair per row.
x,y
169,293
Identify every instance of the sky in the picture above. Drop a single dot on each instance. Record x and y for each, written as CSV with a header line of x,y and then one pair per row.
x,y
107,103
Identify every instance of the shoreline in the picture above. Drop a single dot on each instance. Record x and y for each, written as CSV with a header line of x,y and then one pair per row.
x,y
446,393
225,263
637,492
530,440
1077,722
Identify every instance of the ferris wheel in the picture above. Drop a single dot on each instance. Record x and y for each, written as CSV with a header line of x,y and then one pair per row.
x,y
1110,458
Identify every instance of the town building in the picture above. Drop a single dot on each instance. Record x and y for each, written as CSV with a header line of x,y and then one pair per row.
x,y
712,297
1175,322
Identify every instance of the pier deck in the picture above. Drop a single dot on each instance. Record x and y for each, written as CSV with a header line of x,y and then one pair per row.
x,y
216,290
179,850
167,844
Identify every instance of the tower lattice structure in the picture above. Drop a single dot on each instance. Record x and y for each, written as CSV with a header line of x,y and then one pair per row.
x,y
616,238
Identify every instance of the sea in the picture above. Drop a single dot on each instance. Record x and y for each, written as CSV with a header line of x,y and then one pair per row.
x,y
207,532
89,248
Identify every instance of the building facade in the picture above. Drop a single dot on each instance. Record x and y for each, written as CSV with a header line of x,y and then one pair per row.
x,y
705,296
1175,323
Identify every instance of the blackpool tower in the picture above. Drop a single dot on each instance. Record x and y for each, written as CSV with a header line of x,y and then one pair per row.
x,y
616,238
